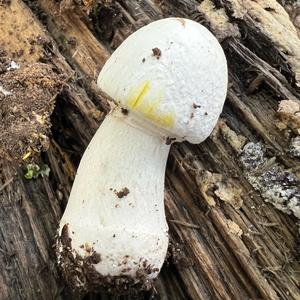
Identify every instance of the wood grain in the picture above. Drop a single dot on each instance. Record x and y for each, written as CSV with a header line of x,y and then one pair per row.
x,y
233,253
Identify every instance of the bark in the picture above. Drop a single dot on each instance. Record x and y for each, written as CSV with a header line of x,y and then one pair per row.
x,y
228,243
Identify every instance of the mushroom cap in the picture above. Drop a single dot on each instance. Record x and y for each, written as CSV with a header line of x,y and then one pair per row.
x,y
171,73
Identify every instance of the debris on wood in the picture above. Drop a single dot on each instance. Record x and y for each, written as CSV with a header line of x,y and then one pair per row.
x,y
27,95
218,20
236,141
216,185
234,228
283,35
289,115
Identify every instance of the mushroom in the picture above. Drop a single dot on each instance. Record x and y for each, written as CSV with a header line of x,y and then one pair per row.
x,y
168,82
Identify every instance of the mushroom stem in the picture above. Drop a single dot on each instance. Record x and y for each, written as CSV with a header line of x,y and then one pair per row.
x,y
117,200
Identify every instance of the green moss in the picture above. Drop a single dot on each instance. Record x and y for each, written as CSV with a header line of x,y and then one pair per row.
x,y
33,171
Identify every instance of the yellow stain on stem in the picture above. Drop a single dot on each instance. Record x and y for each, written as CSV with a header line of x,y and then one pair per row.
x,y
149,109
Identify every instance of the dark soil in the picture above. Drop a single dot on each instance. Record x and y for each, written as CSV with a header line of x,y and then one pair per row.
x,y
156,52
82,276
176,256
123,193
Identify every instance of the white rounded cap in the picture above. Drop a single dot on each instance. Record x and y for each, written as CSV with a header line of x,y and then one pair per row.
x,y
173,73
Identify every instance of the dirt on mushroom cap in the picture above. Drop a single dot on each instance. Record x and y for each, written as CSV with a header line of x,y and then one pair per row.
x,y
27,95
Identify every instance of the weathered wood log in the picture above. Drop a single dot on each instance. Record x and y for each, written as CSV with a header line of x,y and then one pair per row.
x,y
29,209
236,246
28,265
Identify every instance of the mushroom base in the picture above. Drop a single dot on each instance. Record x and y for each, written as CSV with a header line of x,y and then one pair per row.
x,y
81,275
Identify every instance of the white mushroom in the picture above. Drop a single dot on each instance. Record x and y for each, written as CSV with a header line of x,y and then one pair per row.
x,y
168,81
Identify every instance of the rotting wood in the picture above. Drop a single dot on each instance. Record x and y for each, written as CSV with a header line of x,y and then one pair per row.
x,y
33,206
279,85
30,210
189,225
261,263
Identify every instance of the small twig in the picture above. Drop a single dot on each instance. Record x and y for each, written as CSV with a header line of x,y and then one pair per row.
x,y
9,181
255,83
266,224
255,232
185,224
